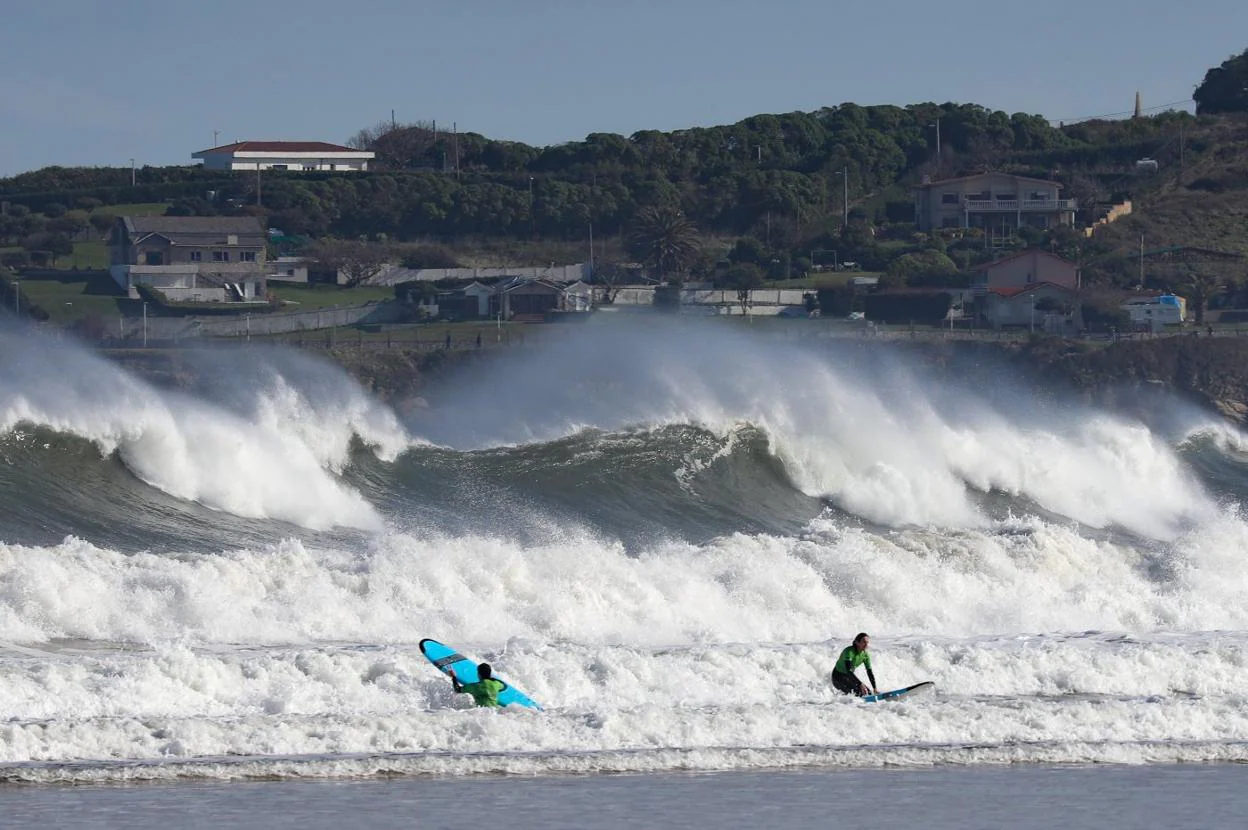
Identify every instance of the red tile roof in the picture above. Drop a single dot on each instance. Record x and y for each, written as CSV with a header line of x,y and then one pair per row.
x,y
281,147
1014,291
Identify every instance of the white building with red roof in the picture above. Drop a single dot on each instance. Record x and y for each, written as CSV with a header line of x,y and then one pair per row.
x,y
284,155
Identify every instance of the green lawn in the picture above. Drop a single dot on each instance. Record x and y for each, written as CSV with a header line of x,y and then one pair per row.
x,y
320,295
826,279
86,255
135,209
68,299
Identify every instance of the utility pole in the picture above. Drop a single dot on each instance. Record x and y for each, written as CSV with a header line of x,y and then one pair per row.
x,y
258,202
1141,260
215,133
455,142
937,126
844,174
591,251
1180,154
132,172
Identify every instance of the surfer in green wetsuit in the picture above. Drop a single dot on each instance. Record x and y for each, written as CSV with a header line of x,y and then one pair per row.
x,y
485,691
843,677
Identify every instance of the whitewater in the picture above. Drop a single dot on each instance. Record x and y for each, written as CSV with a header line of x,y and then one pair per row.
x,y
664,531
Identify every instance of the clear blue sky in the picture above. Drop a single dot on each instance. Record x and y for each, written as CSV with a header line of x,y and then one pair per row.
x,y
97,83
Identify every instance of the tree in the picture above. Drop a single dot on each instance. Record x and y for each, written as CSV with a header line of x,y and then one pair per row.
x,y
610,277
921,264
191,206
744,277
663,240
1200,287
428,256
102,222
59,245
398,146
70,223
356,261
1225,88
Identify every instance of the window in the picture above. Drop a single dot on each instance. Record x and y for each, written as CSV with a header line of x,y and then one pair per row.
x,y
948,198
290,272
333,167
309,167
154,258
246,256
220,256
280,167
1006,197
197,256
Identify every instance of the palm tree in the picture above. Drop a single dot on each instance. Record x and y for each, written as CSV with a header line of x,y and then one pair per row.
x,y
1201,287
663,240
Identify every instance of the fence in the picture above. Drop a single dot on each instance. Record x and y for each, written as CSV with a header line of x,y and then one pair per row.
x,y
247,325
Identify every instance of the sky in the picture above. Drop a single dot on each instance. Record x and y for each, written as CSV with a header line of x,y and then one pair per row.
x,y
100,83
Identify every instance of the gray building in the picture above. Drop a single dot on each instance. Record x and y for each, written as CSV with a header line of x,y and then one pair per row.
x,y
996,202
217,259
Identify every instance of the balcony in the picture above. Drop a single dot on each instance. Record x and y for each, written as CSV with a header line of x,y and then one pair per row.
x,y
1021,206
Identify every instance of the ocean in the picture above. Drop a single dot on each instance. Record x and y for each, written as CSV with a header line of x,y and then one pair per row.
x,y
662,530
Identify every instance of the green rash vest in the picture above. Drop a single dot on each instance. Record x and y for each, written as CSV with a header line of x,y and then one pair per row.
x,y
484,692
850,659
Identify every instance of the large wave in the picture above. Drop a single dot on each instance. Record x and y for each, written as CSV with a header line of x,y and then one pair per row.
x,y
662,533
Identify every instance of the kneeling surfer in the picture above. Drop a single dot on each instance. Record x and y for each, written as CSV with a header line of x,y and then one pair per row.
x,y
843,677
485,691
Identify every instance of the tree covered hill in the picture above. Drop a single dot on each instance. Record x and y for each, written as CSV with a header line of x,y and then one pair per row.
x,y
779,170
779,184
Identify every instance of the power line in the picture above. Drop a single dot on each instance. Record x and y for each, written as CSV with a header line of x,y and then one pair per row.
x,y
1122,114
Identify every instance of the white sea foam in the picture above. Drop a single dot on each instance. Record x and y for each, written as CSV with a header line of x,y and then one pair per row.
x,y
272,455
880,439
355,710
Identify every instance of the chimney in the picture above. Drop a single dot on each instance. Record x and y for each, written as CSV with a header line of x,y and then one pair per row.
x,y
1138,106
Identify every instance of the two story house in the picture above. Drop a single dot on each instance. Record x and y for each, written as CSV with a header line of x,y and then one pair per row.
x,y
206,259
996,202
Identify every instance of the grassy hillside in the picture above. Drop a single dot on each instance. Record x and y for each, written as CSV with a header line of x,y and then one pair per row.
x,y
1199,197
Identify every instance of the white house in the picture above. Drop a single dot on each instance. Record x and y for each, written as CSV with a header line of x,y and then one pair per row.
x,y
1159,309
284,155
288,269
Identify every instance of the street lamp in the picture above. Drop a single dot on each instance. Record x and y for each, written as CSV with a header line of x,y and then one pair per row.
x,y
532,218
145,324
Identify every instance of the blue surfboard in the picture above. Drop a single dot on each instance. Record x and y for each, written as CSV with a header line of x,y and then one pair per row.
x,y
446,658
899,693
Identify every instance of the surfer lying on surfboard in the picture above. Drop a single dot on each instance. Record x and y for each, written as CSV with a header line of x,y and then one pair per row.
x,y
843,677
485,691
